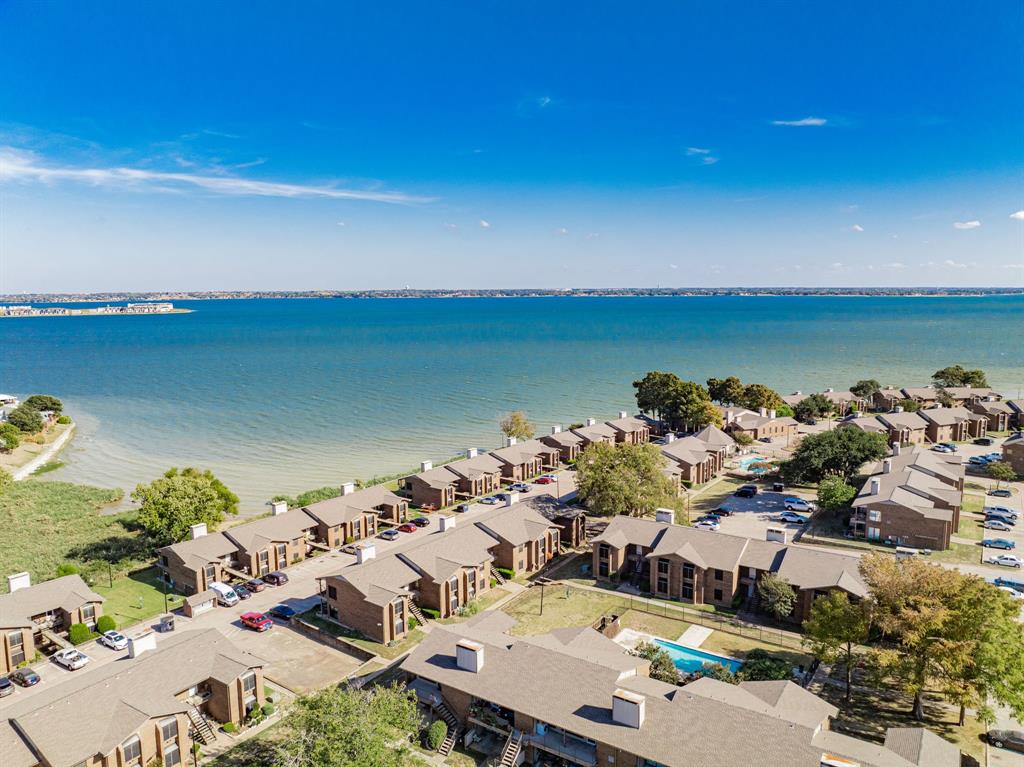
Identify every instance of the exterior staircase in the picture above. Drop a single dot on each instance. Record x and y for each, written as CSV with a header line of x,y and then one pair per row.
x,y
498,577
417,613
453,728
510,752
202,730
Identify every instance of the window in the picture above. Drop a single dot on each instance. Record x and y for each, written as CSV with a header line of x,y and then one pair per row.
x,y
282,555
719,575
602,568
453,593
211,573
688,571
663,566
249,682
172,756
164,561
602,551
89,615
662,584
16,641
874,516
264,562
874,533
687,591
718,595
471,584
132,750
169,729
399,627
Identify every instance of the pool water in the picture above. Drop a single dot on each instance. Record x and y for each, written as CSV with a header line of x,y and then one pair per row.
x,y
688,659
746,463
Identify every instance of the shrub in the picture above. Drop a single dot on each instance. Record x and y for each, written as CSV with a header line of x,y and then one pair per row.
x,y
506,573
66,569
759,666
413,623
436,733
79,633
64,419
44,402
229,727
105,623
719,672
494,582
10,436
743,439
430,612
834,493
470,608
26,419
267,708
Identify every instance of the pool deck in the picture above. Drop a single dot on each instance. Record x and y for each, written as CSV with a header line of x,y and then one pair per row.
x,y
694,636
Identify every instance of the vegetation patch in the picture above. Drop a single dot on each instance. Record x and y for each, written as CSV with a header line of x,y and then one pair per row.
x,y
563,607
135,597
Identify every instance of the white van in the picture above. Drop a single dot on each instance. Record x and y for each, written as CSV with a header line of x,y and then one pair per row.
x,y
226,595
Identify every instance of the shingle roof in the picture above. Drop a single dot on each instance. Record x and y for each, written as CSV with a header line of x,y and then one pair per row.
x,y
563,438
438,478
714,436
516,525
346,508
471,468
199,552
596,433
865,423
66,593
903,420
945,416
442,555
521,452
273,529
629,424
922,747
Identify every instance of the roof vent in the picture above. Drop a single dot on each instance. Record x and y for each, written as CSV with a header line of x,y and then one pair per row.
x,y
762,411
140,644
898,409
556,429
426,465
277,508
512,499
198,531
623,414
895,448
591,422
18,581
628,708
510,441
447,523
876,486
670,438
469,655
348,488
771,414
471,452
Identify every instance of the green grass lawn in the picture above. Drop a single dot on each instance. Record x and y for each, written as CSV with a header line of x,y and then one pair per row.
x,y
656,625
482,603
135,597
50,523
390,652
960,553
563,607
973,502
971,528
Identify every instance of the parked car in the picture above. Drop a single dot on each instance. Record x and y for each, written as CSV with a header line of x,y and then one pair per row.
x,y
1001,492
778,487
256,621
408,527
276,578
421,522
789,516
1012,740
226,595
746,491
115,640
1001,518
1000,511
350,548
944,449
1005,560
991,457
70,659
1011,591
502,497
547,479
255,585
24,677
797,504
707,524
984,441
6,687
1018,585
489,500
282,612
710,517
462,508
992,523
520,487
388,535
242,592
999,543
723,511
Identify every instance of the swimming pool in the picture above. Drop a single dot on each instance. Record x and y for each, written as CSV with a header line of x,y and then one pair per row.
x,y
688,659
747,462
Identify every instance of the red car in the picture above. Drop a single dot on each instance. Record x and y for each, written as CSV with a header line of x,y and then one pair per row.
x,y
544,481
408,528
256,621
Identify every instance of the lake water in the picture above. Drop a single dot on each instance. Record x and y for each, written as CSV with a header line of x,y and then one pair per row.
x,y
285,395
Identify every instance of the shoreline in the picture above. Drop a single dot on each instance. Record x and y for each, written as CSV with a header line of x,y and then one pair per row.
x,y
24,472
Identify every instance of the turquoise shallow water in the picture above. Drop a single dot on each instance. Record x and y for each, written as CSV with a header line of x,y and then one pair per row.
x,y
283,395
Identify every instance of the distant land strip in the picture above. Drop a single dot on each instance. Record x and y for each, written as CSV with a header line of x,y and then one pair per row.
x,y
205,295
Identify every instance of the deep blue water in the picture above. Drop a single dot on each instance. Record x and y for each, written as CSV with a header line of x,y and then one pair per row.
x,y
284,395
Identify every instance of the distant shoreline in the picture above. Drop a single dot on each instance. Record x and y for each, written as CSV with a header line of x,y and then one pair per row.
x,y
739,292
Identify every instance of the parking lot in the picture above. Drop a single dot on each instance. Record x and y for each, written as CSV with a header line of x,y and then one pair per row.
x,y
751,517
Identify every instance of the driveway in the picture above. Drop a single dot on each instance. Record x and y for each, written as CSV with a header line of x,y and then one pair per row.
x,y
751,517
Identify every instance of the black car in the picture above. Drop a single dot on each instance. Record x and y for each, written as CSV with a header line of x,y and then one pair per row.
x,y
462,508
420,521
282,612
242,591
984,441
1001,492
276,578
25,677
722,511
255,585
747,491
778,487
6,687
1010,739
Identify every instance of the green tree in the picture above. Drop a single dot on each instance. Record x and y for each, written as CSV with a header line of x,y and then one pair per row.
x,y
839,452
653,393
813,406
784,411
944,398
743,439
662,667
27,419
759,666
170,505
719,672
866,388
1001,472
834,493
627,479
348,727
957,375
42,402
517,425
726,391
777,596
836,628
909,405
10,436
756,396
689,406
66,568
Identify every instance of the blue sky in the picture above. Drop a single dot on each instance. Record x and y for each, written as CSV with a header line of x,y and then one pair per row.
x,y
493,144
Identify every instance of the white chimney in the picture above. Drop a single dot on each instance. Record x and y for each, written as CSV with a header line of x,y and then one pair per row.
x,y
898,409
670,437
798,393
665,516
763,411
348,488
277,508
140,644
18,581
829,390
895,448
447,523
887,466
591,422
366,552
469,655
426,465
198,531
556,429
510,441
628,708
623,414
512,499
771,414
471,452
776,534
876,486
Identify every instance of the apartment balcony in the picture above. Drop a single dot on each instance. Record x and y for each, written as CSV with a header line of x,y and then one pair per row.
x,y
568,747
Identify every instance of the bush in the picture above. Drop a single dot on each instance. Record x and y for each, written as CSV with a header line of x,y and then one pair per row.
x,y
64,419
436,733
79,633
105,623
267,708
66,569
834,493
39,402
229,727
743,439
430,612
26,419
719,672
506,573
759,666
10,436
413,623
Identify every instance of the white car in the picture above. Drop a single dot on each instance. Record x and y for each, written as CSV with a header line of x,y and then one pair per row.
x,y
797,504
1005,560
707,524
789,516
70,658
1011,591
999,511
943,449
115,640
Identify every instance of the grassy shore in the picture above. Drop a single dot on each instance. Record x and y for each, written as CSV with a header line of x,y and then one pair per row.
x,y
32,446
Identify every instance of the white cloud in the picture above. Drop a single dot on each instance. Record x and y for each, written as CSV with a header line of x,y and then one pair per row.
x,y
954,264
1013,266
562,231
966,224
709,160
704,155
673,266
692,150
543,101
894,265
18,165
485,224
342,223
856,228
451,227
1018,216
802,123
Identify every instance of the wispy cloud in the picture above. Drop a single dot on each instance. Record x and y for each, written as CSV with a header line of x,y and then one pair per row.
x,y
702,155
562,231
1013,266
856,228
803,122
1018,216
894,265
485,224
966,224
955,264
453,228
20,166
692,150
